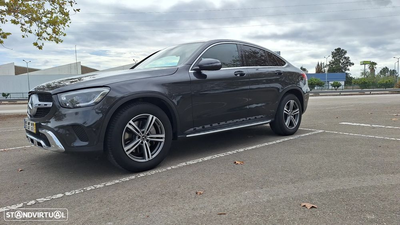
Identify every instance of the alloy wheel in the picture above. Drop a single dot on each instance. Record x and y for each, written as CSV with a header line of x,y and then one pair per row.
x,y
143,137
291,114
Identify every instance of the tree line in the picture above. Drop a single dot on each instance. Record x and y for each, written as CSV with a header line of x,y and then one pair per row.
x,y
341,63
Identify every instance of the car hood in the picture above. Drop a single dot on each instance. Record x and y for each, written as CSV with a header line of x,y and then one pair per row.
x,y
97,79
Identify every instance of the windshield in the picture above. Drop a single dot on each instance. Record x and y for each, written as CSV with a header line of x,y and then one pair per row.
x,y
170,57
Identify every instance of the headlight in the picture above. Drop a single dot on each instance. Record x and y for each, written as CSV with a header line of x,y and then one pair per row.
x,y
82,98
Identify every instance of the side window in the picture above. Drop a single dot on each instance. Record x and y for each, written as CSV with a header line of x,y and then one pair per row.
x,y
255,56
259,57
279,61
228,54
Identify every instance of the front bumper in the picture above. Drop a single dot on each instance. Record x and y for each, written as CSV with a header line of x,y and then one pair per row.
x,y
48,141
70,130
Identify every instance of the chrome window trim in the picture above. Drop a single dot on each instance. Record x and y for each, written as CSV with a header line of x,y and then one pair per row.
x,y
215,44
241,67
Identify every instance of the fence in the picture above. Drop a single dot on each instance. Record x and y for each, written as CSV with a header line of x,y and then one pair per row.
x,y
355,91
14,96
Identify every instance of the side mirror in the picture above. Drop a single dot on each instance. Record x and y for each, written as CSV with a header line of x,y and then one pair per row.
x,y
208,64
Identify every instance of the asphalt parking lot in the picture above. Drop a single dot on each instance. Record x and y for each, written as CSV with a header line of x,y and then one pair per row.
x,y
345,160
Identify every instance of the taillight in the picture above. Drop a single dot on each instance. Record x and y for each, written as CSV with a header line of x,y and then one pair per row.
x,y
304,76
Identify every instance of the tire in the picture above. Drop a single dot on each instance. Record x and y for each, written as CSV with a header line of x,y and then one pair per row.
x,y
139,137
288,116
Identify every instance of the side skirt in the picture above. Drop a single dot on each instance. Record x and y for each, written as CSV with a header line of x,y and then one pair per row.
x,y
228,128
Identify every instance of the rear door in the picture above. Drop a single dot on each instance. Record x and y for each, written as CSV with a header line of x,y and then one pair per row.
x,y
265,71
220,97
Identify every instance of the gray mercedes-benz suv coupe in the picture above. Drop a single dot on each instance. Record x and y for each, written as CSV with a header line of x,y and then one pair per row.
x,y
182,91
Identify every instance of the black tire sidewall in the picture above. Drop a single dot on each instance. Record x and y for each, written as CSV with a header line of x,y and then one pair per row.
x,y
115,135
279,119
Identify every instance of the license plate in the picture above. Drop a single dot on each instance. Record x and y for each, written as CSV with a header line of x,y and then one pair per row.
x,y
29,125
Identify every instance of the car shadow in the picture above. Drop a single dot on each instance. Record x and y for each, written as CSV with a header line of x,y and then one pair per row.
x,y
95,166
211,144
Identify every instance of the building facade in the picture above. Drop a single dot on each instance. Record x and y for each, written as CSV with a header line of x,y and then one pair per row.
x,y
329,78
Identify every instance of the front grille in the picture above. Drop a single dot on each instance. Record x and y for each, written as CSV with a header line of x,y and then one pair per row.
x,y
40,100
45,97
41,112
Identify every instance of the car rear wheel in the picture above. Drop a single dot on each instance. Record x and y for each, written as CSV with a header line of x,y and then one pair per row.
x,y
288,116
139,137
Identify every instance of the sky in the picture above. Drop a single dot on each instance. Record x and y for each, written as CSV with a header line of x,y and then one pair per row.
x,y
113,33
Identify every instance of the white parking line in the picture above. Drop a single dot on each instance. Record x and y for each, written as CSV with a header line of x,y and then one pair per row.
x,y
8,149
363,135
354,96
6,128
369,125
149,173
1,131
353,134
339,107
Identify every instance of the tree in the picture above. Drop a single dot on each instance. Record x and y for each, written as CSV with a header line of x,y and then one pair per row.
x,y
372,68
340,63
385,71
44,19
336,85
363,82
393,73
304,69
315,82
386,82
349,79
5,95
319,68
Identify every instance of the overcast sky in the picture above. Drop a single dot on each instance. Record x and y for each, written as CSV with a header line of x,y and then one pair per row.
x,y
112,33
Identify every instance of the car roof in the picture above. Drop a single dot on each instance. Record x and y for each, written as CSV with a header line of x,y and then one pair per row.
x,y
214,41
231,40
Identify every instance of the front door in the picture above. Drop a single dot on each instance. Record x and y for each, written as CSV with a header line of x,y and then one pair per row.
x,y
220,97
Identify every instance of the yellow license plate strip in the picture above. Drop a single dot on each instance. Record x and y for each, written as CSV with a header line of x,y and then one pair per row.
x,y
29,125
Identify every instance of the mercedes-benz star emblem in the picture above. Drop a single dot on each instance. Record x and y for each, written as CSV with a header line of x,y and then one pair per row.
x,y
32,108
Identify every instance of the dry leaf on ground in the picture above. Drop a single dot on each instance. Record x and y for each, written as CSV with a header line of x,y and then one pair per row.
x,y
238,162
221,214
308,205
199,192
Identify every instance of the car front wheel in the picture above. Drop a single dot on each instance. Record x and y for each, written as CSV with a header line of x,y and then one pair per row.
x,y
139,137
288,116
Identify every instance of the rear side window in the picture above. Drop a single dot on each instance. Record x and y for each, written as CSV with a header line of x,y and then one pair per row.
x,y
259,57
279,61
228,54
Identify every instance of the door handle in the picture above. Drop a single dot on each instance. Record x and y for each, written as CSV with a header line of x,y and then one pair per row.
x,y
278,72
240,73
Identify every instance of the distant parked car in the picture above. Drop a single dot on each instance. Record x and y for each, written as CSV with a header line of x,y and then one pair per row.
x,y
183,91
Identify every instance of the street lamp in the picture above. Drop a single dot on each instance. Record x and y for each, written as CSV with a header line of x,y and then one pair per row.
x,y
398,73
27,73
326,71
